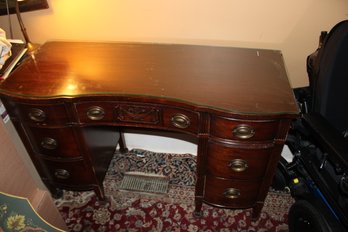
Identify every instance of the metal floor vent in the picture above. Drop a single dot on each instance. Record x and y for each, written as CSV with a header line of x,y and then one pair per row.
x,y
144,182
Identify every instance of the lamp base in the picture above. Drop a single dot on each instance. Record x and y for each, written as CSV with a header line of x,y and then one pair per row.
x,y
32,48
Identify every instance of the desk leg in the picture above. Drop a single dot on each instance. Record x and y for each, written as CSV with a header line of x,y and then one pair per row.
x,y
257,210
199,197
201,169
99,191
122,143
198,207
56,193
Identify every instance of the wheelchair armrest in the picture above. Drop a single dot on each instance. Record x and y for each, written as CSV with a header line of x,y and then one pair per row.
x,y
328,137
303,96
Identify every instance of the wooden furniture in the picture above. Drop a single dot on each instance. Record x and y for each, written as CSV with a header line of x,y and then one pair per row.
x,y
17,179
68,101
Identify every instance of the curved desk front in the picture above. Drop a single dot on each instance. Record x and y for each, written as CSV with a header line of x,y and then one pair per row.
x,y
68,100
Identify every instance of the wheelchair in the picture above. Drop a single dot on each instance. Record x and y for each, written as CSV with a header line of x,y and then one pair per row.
x,y
317,175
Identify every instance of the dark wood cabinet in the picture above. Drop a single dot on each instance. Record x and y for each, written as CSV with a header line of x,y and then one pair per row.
x,y
69,100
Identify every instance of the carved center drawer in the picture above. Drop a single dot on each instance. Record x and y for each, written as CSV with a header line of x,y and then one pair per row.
x,y
150,115
233,129
112,112
130,113
230,162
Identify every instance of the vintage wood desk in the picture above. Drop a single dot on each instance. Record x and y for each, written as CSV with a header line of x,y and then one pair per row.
x,y
68,101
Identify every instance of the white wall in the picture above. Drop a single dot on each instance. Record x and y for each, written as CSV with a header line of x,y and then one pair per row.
x,y
290,26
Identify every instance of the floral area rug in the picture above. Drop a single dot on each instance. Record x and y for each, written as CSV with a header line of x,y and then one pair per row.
x,y
139,211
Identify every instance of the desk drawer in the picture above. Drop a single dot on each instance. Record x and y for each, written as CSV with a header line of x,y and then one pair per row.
x,y
230,193
238,163
113,112
70,172
95,111
48,114
233,129
138,114
56,142
180,119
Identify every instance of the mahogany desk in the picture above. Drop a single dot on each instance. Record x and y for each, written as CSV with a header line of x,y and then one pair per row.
x,y
68,102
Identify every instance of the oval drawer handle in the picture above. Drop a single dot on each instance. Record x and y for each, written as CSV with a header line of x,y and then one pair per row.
x,y
49,143
243,131
180,121
238,165
232,193
95,113
37,115
62,174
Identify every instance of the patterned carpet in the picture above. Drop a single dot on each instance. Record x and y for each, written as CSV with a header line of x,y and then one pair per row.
x,y
140,211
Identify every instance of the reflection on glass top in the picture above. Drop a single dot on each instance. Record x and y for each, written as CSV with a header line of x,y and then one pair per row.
x,y
230,79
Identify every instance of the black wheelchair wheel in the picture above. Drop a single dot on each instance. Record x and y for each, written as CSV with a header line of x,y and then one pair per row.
x,y
303,216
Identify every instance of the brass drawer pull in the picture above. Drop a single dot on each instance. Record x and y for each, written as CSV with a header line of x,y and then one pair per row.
x,y
243,131
238,165
180,121
49,143
62,174
232,193
37,115
95,113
